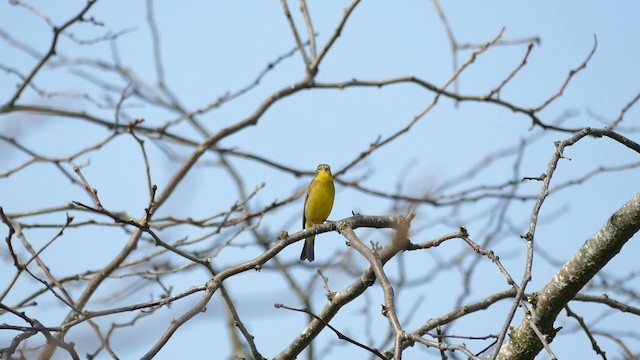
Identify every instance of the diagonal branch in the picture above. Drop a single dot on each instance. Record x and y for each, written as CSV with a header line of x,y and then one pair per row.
x,y
57,30
573,276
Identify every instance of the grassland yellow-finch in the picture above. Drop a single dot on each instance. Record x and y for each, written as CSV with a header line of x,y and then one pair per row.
x,y
317,206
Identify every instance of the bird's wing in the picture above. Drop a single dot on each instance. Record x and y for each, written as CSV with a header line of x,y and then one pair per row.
x,y
304,208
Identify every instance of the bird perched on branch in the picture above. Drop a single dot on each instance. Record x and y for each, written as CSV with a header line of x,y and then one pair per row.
x,y
317,206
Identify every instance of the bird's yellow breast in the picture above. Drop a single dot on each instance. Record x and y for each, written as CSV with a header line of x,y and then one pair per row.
x,y
319,200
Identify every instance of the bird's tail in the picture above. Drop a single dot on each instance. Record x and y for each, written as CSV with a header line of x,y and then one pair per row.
x,y
307,249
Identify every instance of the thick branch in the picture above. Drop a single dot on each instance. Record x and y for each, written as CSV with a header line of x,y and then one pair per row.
x,y
591,258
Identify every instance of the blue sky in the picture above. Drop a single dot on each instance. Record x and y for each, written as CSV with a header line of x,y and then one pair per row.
x,y
210,48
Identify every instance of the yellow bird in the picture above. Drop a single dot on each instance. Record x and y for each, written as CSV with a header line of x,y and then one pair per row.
x,y
317,206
